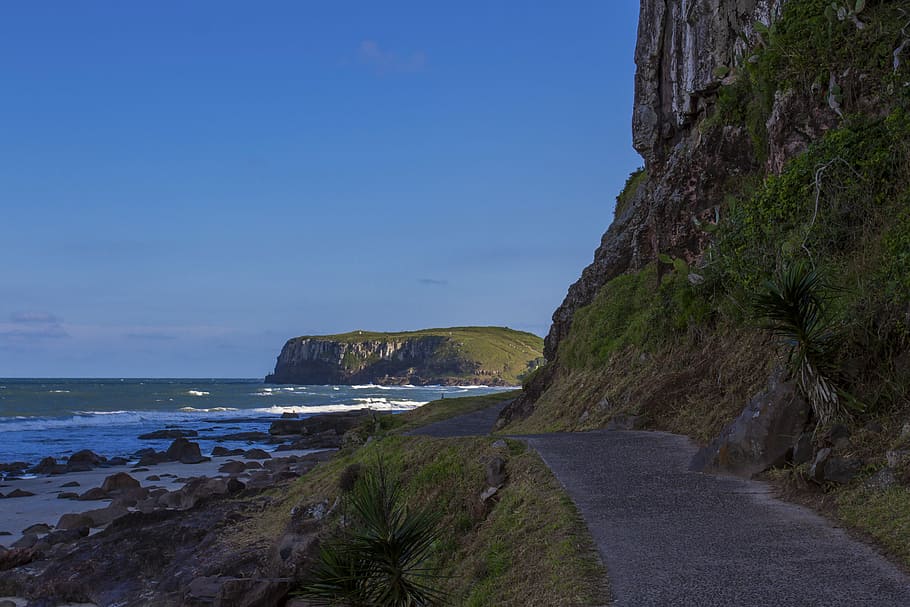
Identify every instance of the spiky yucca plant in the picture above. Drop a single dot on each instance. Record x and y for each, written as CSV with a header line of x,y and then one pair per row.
x,y
380,560
794,306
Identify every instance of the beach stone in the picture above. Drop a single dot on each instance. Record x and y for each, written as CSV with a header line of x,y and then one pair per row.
x,y
232,467
19,493
185,452
74,521
116,461
26,541
65,536
169,434
94,494
84,460
103,516
37,529
234,485
130,497
46,466
153,477
220,451
4,533
153,458
69,484
289,415
256,454
67,495
136,470
119,482
13,467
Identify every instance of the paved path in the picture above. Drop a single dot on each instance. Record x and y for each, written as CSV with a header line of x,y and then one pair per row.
x,y
472,424
670,537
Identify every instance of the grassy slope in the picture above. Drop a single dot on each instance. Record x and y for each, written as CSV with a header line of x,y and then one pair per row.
x,y
687,358
526,546
496,349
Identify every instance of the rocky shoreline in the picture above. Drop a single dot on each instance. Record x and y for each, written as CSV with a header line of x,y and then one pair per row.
x,y
74,530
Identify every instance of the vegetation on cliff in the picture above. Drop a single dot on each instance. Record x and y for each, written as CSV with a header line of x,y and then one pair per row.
x,y
456,355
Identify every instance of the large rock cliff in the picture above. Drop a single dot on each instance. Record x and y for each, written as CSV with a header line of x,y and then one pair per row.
x,y
455,356
683,51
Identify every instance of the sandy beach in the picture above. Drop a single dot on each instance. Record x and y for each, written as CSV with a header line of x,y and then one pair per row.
x,y
45,507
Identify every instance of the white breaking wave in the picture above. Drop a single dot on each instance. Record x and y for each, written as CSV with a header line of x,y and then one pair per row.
x,y
197,393
210,410
59,391
390,405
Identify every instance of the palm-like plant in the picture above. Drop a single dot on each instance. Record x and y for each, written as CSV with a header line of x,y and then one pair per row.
x,y
380,561
794,306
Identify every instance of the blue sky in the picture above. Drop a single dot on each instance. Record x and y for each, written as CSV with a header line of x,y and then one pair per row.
x,y
185,185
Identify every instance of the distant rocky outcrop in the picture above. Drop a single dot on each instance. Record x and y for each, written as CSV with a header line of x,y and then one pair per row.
x,y
493,356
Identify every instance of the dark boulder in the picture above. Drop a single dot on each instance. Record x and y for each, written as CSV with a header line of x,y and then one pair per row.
x,y
220,451
232,467
65,536
762,436
74,521
155,457
94,494
69,484
84,460
19,493
168,434
48,465
184,451
67,495
802,449
256,454
118,483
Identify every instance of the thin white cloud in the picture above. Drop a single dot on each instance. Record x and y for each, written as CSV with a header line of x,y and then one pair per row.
x,y
384,61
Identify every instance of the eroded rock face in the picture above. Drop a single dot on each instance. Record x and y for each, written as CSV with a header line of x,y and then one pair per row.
x,y
762,436
681,43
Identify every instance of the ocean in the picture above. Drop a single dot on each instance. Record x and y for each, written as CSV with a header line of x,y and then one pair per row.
x,y
57,417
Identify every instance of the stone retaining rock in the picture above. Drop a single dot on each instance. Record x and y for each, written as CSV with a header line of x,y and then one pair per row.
x,y
762,436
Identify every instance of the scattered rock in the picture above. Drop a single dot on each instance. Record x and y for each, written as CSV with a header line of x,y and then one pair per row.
x,y
137,470
19,493
118,483
94,494
256,454
169,434
65,536
74,521
67,495
26,541
220,451
232,467
289,415
500,444
842,470
37,529
116,461
69,484
802,450
488,493
150,459
48,465
817,470
153,477
11,559
762,436
83,461
496,472
838,437
103,516
185,452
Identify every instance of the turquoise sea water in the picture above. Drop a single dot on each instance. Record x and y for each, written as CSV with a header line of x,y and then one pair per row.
x,y
41,417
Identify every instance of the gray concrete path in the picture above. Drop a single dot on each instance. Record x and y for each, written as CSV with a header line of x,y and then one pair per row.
x,y
671,537
471,424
